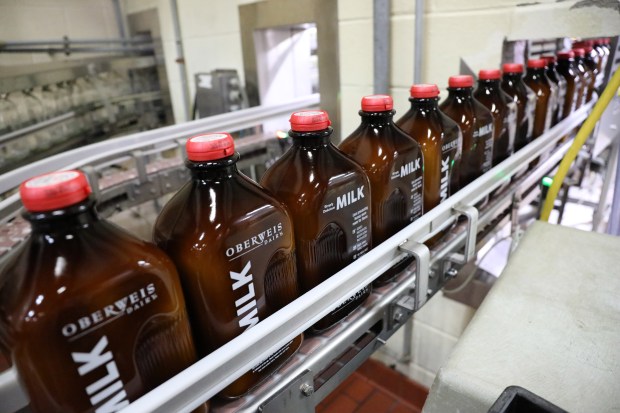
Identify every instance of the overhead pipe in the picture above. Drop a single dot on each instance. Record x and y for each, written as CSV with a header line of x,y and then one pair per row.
x,y
70,50
26,43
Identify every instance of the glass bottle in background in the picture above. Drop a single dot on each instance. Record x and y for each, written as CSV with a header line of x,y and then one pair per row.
x,y
64,106
490,94
16,149
394,164
49,100
560,84
32,112
604,52
93,317
234,248
424,123
328,197
80,125
584,78
591,60
586,74
566,68
536,79
476,124
525,100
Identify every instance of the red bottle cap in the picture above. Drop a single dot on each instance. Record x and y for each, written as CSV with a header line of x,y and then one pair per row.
x,y
422,91
489,74
512,68
209,147
309,120
579,52
377,103
461,81
549,58
536,63
566,54
55,190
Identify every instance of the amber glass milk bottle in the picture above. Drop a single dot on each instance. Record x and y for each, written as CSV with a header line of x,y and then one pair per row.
x,y
587,72
424,123
234,248
584,77
94,317
560,83
490,94
539,83
512,84
567,69
393,162
328,197
476,124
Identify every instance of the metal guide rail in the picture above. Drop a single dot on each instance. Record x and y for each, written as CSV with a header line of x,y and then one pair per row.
x,y
325,360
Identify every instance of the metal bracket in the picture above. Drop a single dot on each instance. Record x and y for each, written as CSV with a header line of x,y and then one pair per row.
x,y
422,256
471,213
401,310
295,397
147,187
93,180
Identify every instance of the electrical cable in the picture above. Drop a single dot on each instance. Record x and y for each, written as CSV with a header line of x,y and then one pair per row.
x,y
580,139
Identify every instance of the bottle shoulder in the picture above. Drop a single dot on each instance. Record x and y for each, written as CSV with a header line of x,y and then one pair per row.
x,y
49,274
213,206
368,142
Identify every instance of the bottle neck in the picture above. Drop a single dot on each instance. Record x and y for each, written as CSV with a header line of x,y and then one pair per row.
x,y
489,85
425,105
460,94
377,118
535,73
565,64
215,170
314,139
513,77
80,215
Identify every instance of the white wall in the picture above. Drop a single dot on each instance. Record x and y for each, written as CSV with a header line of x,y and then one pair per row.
x,y
210,35
471,29
51,20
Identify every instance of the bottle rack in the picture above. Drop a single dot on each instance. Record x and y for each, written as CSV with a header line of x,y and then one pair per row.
x,y
106,113
327,359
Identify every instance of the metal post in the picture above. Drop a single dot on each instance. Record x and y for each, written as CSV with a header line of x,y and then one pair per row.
x,y
180,60
407,341
381,39
120,21
418,41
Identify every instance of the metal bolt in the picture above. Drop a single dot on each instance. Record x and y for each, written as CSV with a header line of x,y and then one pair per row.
x,y
452,272
307,389
398,315
431,273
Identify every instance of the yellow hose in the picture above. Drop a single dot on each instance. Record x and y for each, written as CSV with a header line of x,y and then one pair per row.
x,y
580,139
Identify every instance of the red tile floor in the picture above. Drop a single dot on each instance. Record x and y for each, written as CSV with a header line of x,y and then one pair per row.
x,y
375,388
